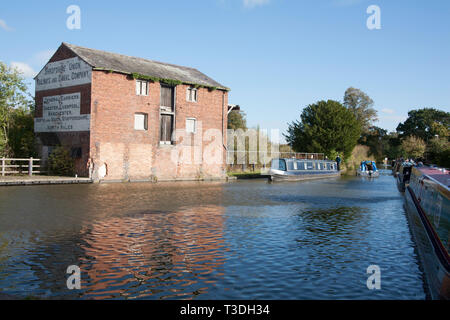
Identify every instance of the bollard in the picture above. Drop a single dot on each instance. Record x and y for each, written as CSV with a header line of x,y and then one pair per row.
x,y
30,167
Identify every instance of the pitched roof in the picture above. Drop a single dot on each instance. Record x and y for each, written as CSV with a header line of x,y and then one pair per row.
x,y
99,59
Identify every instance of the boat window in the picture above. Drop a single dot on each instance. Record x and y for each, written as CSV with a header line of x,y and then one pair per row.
x,y
301,165
310,166
282,165
329,166
279,164
290,165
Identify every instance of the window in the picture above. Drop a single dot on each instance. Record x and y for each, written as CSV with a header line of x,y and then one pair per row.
x,y
191,94
290,165
301,165
191,125
75,152
140,121
141,88
279,164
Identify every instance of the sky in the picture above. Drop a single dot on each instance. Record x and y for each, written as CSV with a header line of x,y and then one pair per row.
x,y
277,56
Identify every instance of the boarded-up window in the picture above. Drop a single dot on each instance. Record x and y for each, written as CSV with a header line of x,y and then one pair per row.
x,y
140,121
167,97
191,125
166,128
141,88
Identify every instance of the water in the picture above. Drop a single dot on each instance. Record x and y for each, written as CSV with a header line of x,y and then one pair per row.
x,y
240,240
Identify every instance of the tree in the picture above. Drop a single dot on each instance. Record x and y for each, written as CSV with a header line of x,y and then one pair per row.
x,y
14,104
413,147
362,107
425,123
236,120
393,148
438,150
377,140
324,127
60,162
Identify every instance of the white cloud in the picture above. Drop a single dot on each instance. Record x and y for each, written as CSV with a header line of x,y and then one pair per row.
x,y
386,110
24,69
4,26
255,3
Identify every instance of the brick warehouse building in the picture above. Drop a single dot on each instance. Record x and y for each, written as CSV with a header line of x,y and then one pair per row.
x,y
121,114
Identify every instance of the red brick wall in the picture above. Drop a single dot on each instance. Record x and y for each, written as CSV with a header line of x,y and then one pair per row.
x,y
130,154
67,139
133,155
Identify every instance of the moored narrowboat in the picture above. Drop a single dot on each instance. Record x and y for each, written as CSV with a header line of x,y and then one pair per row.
x,y
403,175
302,169
428,211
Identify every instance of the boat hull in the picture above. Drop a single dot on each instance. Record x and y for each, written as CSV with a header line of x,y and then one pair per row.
x,y
301,177
428,231
373,174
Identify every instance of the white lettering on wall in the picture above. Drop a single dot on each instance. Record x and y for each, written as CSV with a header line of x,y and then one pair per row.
x,y
62,114
64,73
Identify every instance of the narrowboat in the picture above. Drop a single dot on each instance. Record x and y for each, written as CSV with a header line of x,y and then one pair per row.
x,y
427,202
403,175
396,167
302,169
368,169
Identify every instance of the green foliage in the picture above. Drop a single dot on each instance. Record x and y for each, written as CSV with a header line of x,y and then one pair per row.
x,y
21,134
362,107
236,120
325,127
382,144
15,107
60,162
170,82
393,148
438,150
144,77
425,123
413,147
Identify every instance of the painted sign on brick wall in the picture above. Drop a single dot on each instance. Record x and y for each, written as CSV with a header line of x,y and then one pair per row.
x,y
61,113
64,73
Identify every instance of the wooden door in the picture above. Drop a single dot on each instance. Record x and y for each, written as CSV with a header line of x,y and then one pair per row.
x,y
166,128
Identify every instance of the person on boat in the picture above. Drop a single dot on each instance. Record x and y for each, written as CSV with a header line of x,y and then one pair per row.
x,y
338,161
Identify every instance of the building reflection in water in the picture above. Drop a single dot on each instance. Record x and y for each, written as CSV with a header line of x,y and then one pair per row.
x,y
154,255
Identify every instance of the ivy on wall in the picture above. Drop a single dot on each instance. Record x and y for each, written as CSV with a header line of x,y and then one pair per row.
x,y
170,82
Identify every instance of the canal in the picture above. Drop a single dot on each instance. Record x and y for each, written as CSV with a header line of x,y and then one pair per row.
x,y
240,240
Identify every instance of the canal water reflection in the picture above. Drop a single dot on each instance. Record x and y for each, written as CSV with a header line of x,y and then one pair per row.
x,y
240,240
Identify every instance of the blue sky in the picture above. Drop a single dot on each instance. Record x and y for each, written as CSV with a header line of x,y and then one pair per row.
x,y
277,56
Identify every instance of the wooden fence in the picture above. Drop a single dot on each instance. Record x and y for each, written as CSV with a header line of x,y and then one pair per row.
x,y
20,166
